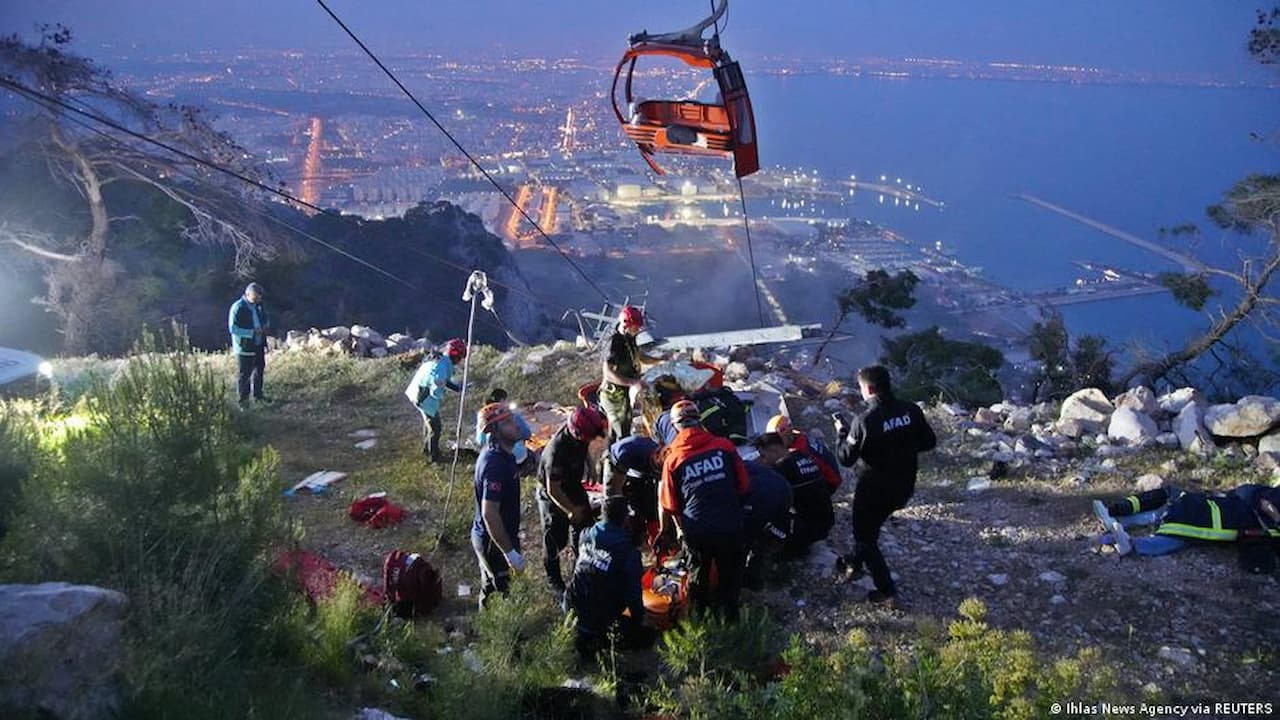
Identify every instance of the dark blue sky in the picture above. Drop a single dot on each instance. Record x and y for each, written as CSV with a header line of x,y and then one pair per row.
x,y
1204,36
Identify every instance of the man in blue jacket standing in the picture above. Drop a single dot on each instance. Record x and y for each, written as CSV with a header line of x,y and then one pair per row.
x,y
249,324
426,391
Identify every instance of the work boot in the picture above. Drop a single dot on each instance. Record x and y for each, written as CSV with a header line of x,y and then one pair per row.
x,y
883,599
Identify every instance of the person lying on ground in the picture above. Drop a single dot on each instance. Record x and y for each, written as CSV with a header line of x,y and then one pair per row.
x,y
1246,515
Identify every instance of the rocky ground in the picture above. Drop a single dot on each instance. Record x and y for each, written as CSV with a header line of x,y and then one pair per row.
x,y
1191,627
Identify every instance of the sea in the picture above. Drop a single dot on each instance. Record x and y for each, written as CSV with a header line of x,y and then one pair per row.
x,y
1135,157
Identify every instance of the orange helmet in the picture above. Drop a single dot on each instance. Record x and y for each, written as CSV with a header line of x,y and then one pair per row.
x,y
492,414
631,317
456,349
780,424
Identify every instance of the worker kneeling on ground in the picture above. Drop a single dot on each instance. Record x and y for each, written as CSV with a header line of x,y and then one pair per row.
x,y
703,481
605,592
766,518
811,511
636,466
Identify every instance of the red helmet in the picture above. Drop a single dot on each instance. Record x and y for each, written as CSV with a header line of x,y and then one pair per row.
x,y
685,413
587,423
456,349
631,317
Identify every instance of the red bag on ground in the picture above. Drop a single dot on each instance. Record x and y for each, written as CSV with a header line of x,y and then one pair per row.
x,y
316,576
376,511
410,584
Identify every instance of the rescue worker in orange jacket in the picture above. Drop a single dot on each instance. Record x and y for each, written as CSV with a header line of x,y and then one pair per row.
x,y
703,481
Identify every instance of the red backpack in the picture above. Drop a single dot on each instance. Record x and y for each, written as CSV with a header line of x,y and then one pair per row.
x,y
410,584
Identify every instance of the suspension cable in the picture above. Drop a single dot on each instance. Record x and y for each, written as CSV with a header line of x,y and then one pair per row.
x,y
746,225
463,150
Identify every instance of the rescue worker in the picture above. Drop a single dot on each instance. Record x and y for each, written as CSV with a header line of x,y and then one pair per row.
x,y
525,460
637,464
766,518
426,391
886,437
495,531
622,367
249,325
812,447
1246,515
563,505
811,512
606,582
703,481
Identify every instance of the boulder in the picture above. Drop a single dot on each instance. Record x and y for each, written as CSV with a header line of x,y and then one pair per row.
x,y
1132,426
1075,428
1168,440
1140,399
1019,420
295,338
1252,415
1173,402
379,351
367,335
60,650
1268,462
530,368
986,416
1189,427
1270,443
736,371
1149,482
1089,405
336,333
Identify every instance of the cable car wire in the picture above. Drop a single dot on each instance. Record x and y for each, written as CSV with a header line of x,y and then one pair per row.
x,y
463,150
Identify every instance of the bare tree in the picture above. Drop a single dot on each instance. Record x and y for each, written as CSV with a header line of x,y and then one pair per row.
x,y
88,156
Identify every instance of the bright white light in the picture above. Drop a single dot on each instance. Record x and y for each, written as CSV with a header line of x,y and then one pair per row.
x,y
46,369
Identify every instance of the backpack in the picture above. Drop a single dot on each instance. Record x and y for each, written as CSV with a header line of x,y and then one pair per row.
x,y
723,413
410,584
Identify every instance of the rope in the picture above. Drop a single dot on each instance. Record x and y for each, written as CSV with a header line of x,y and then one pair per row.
x,y
746,225
457,433
463,150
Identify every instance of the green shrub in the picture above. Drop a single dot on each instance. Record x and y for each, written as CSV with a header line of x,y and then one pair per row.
x,y
146,488
18,446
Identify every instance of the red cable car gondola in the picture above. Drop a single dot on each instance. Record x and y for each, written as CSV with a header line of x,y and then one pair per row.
x,y
725,128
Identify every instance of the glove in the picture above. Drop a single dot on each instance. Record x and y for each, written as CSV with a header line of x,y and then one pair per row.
x,y
515,560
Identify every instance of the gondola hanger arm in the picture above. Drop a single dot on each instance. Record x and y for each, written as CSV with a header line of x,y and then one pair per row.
x,y
690,36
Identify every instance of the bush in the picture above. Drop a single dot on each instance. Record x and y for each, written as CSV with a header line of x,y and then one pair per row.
x,y
967,671
146,488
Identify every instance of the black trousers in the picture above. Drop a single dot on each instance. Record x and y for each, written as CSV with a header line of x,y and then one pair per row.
x,y
871,508
726,551
495,577
431,436
557,532
252,368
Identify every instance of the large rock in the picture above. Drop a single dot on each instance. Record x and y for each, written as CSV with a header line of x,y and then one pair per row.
x,y
1173,402
1090,405
337,333
1252,415
367,336
1270,443
1140,399
1019,420
1075,428
60,650
1132,426
1189,427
